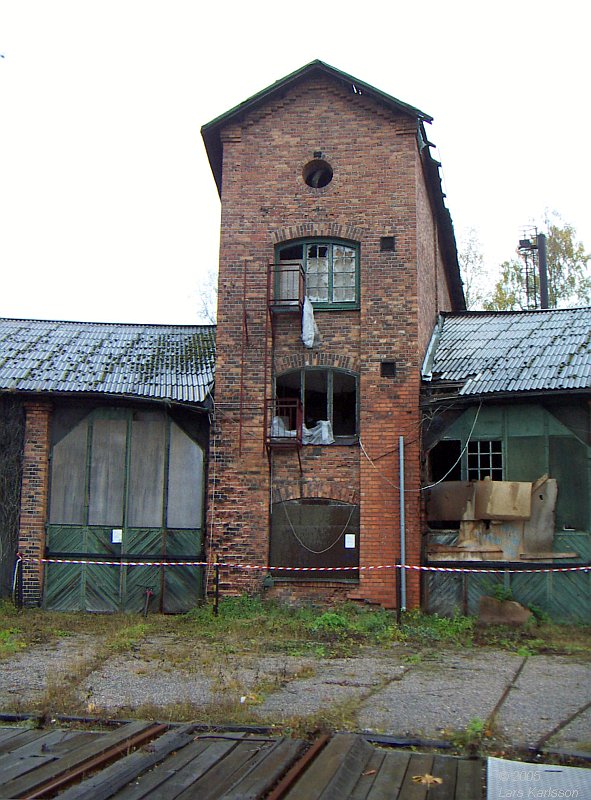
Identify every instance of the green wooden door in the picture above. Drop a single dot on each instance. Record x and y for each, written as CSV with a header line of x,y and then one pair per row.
x,y
119,585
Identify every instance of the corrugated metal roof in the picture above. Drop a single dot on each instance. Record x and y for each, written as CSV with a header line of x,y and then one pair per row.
x,y
162,362
512,351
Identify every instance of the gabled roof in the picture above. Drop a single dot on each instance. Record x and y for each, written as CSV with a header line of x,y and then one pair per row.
x,y
211,130
211,133
487,353
159,362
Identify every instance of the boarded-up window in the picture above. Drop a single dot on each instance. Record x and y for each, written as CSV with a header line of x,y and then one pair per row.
x,y
569,465
107,472
315,532
143,471
146,472
68,472
185,480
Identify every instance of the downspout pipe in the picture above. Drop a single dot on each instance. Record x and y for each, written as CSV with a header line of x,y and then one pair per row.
x,y
402,525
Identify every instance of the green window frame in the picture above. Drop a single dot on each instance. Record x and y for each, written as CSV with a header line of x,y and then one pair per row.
x,y
325,393
484,459
331,269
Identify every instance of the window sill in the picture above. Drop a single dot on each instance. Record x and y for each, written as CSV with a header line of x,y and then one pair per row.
x,y
341,441
336,306
295,578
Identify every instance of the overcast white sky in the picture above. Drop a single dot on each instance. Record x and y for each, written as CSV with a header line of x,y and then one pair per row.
x,y
108,209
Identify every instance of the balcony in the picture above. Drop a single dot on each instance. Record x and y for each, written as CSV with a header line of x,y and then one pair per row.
x,y
284,423
286,287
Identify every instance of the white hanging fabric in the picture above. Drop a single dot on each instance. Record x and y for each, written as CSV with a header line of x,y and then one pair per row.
x,y
310,332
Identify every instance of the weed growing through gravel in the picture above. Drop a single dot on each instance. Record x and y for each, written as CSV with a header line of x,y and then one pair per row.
x,y
471,738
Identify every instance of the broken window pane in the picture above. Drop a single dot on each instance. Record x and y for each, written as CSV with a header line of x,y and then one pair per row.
x,y
317,273
315,397
344,402
445,460
287,286
344,274
330,269
327,394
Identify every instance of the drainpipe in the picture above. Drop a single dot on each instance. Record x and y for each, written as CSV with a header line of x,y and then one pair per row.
x,y
402,525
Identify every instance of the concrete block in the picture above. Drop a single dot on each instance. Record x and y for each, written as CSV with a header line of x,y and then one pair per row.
x,y
502,500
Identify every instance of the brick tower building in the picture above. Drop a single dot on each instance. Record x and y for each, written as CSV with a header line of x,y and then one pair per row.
x,y
336,254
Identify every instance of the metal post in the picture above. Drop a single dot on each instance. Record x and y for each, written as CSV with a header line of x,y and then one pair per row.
x,y
216,597
402,580
543,268
398,571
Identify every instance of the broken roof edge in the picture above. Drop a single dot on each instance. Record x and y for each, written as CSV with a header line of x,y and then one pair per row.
x,y
436,394
426,368
210,130
449,248
204,406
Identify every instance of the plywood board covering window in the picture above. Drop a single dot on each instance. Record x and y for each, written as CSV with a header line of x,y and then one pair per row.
x,y
122,468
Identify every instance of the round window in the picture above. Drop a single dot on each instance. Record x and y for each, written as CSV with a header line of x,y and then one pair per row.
x,y
317,173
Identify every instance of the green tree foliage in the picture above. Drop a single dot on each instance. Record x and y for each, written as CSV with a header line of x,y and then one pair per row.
x,y
569,275
509,292
472,269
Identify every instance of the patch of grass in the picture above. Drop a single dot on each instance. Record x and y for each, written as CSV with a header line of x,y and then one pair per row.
x,y
417,627
127,638
10,642
7,609
306,630
537,638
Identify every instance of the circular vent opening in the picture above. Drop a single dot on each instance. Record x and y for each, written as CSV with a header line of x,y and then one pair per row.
x,y
317,173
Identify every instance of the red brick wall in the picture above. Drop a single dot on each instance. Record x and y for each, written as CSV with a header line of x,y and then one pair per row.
x,y
34,496
376,191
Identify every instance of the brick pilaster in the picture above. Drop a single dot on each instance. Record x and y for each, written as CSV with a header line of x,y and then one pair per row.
x,y
34,499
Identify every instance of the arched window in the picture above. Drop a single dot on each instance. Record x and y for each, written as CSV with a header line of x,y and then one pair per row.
x,y
331,269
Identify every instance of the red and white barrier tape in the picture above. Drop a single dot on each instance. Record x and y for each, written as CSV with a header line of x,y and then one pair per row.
x,y
230,565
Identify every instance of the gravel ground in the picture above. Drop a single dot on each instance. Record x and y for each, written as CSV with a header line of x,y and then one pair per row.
x,y
334,681
441,695
542,687
432,698
25,677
